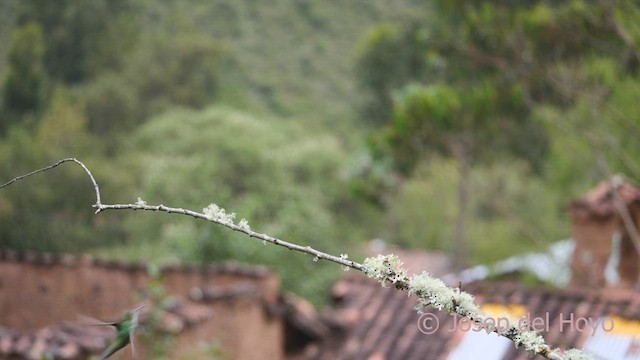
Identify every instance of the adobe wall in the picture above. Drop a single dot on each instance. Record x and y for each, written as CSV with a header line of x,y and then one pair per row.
x,y
39,290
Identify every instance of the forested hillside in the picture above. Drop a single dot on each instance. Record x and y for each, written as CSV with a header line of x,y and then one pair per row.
x,y
445,125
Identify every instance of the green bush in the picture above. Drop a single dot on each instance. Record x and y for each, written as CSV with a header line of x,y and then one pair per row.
x,y
511,210
286,182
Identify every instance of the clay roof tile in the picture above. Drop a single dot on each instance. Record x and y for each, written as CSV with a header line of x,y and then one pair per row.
x,y
389,328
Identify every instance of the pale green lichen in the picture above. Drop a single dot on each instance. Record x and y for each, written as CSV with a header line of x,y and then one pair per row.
x,y
244,225
431,292
434,292
575,354
214,212
464,304
531,341
385,268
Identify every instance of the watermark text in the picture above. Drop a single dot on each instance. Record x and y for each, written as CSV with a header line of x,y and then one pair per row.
x,y
429,323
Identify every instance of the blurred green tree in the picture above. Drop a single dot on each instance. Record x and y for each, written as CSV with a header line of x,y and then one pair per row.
x,y
82,37
270,171
595,135
24,89
50,213
468,125
181,70
498,61
386,59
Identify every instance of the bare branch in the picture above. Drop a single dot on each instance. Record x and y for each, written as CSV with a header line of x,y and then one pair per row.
x,y
93,180
264,237
385,273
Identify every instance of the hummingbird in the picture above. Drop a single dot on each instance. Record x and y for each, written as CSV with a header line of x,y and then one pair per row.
x,y
126,329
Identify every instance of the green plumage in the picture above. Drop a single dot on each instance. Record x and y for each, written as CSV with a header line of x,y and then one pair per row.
x,y
126,329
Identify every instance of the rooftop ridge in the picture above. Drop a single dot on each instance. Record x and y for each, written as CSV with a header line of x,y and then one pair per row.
x,y
67,259
598,202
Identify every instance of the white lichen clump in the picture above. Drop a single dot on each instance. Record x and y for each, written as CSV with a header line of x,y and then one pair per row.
x,y
430,291
575,354
140,202
214,212
244,224
464,304
344,257
434,292
531,341
385,268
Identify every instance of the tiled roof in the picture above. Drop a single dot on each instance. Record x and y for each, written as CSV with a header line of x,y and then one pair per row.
x,y
45,258
371,322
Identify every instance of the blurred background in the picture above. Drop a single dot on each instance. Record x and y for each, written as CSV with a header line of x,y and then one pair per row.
x,y
465,127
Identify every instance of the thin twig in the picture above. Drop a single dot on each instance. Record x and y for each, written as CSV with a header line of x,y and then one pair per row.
x,y
544,350
264,237
93,180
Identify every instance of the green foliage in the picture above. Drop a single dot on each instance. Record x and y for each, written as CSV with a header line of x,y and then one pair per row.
x,y
504,48
49,213
425,119
541,94
510,212
25,86
421,213
503,81
8,16
82,37
597,134
386,59
287,57
163,72
111,104
179,70
466,123
288,184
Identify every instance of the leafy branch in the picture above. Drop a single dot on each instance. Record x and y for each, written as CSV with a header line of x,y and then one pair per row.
x,y
384,268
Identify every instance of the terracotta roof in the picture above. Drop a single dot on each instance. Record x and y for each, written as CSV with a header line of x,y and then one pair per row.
x,y
371,322
599,203
45,258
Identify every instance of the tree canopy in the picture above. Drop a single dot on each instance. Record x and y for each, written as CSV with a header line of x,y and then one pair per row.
x,y
416,123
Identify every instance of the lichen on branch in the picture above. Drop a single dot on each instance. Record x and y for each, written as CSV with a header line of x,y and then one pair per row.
x,y
386,269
